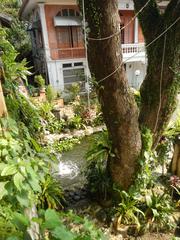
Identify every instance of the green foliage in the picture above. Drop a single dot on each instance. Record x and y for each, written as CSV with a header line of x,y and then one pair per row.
x,y
159,207
13,70
127,211
6,226
51,94
40,81
10,7
21,109
75,122
147,141
22,167
173,129
52,193
74,91
17,35
97,176
65,145
59,226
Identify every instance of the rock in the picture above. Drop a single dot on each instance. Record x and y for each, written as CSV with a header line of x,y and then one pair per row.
x,y
89,131
101,215
77,197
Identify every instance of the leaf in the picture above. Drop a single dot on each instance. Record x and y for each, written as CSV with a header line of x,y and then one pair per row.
x,y
13,238
23,199
3,191
3,142
62,233
52,219
9,170
148,200
35,145
155,212
34,183
20,221
18,181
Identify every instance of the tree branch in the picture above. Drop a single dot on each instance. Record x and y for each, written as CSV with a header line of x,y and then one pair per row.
x,y
149,18
173,10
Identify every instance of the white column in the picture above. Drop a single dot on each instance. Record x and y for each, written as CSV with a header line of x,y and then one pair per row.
x,y
44,30
136,31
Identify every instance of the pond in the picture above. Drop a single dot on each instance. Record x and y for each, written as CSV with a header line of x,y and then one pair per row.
x,y
73,163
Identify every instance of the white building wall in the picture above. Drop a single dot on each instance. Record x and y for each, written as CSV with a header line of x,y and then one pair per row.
x,y
132,69
55,69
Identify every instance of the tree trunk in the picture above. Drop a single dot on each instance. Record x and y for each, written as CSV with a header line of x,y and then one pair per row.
x,y
118,105
3,109
161,85
175,165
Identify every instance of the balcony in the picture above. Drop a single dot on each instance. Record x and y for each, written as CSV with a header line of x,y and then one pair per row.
x,y
133,52
67,53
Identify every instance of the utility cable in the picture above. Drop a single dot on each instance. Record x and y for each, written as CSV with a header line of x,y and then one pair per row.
x,y
118,32
160,84
148,45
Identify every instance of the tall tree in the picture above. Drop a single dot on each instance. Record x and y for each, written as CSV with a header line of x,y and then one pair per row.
x,y
161,84
118,105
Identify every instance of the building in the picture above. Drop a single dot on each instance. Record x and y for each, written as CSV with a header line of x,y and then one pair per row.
x,y
58,44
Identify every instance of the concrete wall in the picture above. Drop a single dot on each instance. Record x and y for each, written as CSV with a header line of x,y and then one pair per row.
x,y
131,69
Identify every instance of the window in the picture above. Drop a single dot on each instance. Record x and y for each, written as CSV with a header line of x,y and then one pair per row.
x,y
74,75
68,12
78,64
69,37
67,65
71,12
65,12
122,33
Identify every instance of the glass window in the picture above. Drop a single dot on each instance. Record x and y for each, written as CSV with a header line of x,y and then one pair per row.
x,y
71,12
78,64
65,12
67,65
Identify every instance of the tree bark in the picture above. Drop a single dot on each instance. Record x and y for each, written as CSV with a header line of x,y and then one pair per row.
x,y
160,87
3,109
118,105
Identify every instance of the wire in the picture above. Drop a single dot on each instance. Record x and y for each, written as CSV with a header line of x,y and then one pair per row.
x,y
118,32
101,80
160,84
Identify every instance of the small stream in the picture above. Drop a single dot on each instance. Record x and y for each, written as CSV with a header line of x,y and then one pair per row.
x,y
72,164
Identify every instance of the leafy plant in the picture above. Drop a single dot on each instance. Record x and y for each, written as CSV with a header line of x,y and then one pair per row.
x,y
75,122
127,211
51,94
97,175
40,81
60,226
159,208
65,145
74,91
52,193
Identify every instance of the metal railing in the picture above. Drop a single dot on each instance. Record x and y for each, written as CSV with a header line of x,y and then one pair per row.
x,y
133,48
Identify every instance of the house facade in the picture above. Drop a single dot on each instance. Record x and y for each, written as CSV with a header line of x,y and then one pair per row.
x,y
58,42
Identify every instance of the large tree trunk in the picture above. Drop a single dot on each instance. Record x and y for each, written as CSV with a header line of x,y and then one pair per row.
x,y
118,105
160,87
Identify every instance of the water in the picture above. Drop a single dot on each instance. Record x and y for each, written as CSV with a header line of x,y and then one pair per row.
x,y
72,164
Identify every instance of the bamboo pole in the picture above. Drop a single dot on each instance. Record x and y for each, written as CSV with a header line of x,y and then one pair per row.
x,y
3,108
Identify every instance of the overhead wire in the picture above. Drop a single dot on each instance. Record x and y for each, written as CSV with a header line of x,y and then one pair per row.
x,y
118,32
148,45
160,84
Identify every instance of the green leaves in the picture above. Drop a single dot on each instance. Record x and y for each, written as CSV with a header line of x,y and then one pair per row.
x,y
3,191
20,221
9,170
18,181
51,219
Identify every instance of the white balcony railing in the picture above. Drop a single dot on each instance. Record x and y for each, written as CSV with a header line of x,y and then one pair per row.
x,y
133,48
